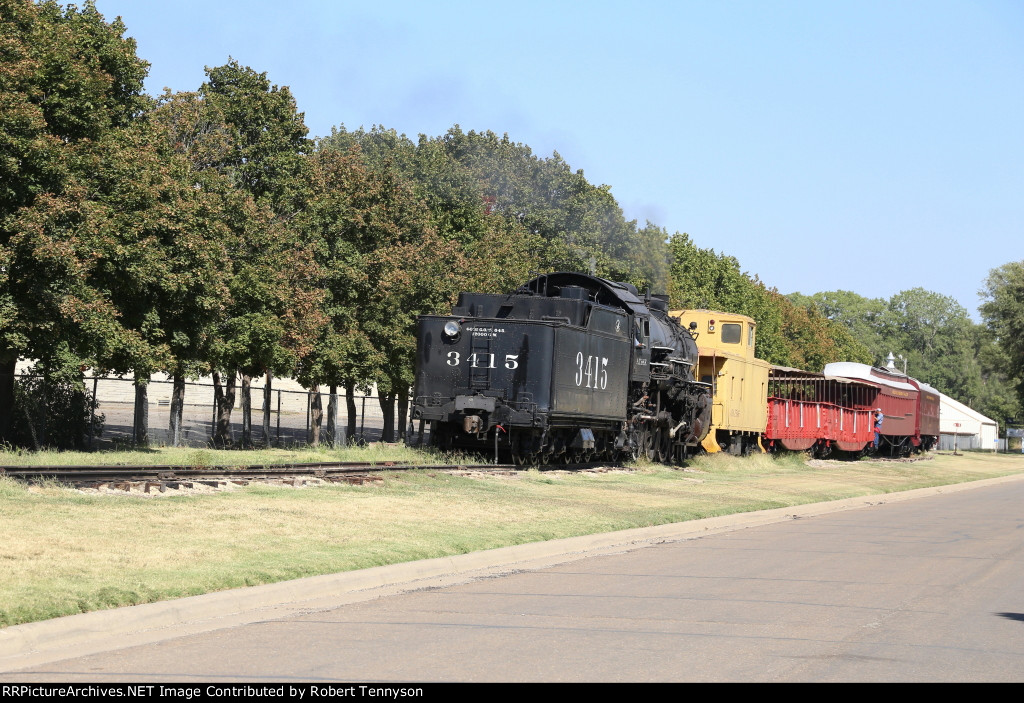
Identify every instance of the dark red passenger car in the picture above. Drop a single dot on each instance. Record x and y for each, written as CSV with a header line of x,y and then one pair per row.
x,y
910,408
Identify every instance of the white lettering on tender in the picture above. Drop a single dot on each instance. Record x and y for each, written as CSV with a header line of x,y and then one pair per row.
x,y
483,361
594,374
486,331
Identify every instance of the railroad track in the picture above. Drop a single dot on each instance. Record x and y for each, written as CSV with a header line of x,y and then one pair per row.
x,y
162,477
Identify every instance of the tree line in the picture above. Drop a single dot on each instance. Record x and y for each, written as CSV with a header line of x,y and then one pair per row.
x,y
981,365
930,335
205,232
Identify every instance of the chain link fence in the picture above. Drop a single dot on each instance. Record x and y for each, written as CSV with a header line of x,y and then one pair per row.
x,y
290,416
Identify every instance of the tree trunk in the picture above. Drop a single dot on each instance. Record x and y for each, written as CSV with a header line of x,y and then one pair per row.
x,y
224,398
140,431
350,408
316,416
43,420
332,417
403,412
218,398
8,364
266,412
93,405
246,411
81,400
387,408
177,408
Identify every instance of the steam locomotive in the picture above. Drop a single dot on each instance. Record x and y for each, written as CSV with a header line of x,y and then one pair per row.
x,y
568,368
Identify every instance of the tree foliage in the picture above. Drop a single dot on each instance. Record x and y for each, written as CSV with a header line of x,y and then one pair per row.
x,y
936,339
70,93
245,144
69,83
471,180
787,334
267,135
392,247
1003,311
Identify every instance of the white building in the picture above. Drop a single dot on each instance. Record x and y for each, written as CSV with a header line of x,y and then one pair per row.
x,y
963,428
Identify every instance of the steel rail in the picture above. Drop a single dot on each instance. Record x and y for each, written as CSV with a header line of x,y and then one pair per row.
x,y
13,469
226,472
85,475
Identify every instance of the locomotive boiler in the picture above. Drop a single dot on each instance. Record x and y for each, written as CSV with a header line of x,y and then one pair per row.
x,y
566,368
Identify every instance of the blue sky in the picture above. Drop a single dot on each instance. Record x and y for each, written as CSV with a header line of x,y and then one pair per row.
x,y
866,146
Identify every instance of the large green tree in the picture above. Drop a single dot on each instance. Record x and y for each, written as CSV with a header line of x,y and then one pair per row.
x,y
993,390
267,148
935,335
70,84
355,210
250,132
1003,311
390,250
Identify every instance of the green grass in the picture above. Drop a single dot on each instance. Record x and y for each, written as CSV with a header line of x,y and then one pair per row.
x,y
68,552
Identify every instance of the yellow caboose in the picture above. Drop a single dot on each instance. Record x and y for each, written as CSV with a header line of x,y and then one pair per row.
x,y
739,381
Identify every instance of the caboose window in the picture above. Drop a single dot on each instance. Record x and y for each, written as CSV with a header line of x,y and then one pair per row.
x,y
732,333
750,337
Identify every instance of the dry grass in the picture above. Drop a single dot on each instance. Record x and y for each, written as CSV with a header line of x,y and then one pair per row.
x,y
69,552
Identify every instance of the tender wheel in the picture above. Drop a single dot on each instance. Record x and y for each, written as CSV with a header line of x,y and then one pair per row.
x,y
525,447
526,461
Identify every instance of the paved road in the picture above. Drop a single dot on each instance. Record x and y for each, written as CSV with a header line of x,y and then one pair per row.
x,y
928,589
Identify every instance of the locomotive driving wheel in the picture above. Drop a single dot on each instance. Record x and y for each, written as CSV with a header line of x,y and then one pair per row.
x,y
679,453
662,445
652,444
644,439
